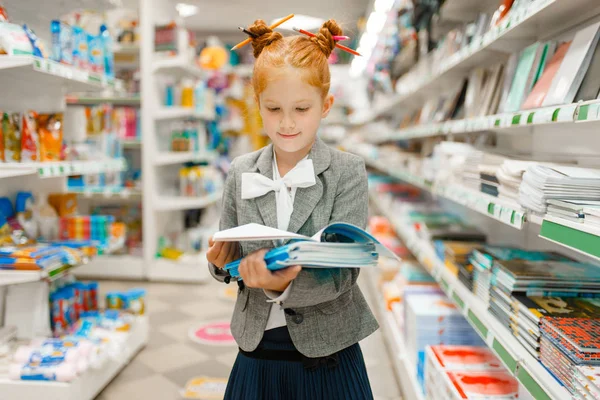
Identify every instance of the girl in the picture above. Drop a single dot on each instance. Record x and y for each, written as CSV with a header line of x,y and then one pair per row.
x,y
297,329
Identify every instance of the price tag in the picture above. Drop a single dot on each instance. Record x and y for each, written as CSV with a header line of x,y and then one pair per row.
x,y
566,113
543,115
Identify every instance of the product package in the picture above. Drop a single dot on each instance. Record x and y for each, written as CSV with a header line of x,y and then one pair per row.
x,y
14,41
62,42
80,48
96,54
11,129
50,127
30,138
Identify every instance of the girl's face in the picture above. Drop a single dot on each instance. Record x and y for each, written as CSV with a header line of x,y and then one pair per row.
x,y
291,111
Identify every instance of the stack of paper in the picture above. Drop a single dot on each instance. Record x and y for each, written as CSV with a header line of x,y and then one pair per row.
x,y
490,385
587,382
338,245
433,319
455,254
443,359
510,176
568,343
542,183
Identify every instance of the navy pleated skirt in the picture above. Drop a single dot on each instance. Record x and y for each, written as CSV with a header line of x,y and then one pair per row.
x,y
260,379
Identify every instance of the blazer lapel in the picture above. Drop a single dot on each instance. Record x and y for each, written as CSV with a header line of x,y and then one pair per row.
x,y
306,199
266,204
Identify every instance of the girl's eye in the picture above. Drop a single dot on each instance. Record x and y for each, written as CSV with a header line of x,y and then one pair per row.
x,y
274,109
302,109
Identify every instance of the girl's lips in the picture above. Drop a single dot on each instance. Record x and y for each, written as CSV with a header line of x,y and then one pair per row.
x,y
288,136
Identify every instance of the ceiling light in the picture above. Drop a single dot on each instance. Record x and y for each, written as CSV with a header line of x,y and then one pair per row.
x,y
186,10
375,22
305,22
383,6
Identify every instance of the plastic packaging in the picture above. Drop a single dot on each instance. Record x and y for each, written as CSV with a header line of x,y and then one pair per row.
x,y
30,138
36,44
187,94
109,62
80,48
43,372
96,54
14,41
50,128
11,130
24,209
62,42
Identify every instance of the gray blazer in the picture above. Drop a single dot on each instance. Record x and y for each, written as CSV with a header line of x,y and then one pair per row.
x,y
326,311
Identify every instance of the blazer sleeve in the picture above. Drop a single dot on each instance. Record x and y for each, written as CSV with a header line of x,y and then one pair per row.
x,y
228,217
316,286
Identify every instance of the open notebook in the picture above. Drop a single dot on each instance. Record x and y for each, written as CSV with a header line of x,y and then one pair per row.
x,y
339,245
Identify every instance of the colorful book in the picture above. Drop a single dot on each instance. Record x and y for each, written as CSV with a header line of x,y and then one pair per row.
x,y
537,307
538,94
519,88
590,86
572,70
484,384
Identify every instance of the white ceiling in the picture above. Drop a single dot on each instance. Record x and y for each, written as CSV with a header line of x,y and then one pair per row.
x,y
222,17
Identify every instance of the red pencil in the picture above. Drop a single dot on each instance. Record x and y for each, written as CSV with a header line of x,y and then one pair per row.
x,y
339,46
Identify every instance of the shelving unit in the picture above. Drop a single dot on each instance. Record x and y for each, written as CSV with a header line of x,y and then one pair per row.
x,y
44,73
170,158
173,203
114,267
163,210
88,385
133,101
61,168
108,192
501,123
531,373
542,19
406,373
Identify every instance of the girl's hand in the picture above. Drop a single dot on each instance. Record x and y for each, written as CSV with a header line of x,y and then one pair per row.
x,y
221,253
255,274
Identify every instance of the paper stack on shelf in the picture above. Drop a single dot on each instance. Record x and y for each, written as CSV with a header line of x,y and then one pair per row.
x,y
432,319
586,380
455,254
447,365
568,343
546,182
510,176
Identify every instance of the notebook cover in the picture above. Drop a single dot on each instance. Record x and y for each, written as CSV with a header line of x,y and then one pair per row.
x,y
465,358
509,76
523,71
567,307
590,86
491,384
538,94
550,270
571,72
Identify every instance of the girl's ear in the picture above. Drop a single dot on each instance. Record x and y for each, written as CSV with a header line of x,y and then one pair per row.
x,y
327,104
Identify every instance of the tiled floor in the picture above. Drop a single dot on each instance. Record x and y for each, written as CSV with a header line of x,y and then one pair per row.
x,y
171,358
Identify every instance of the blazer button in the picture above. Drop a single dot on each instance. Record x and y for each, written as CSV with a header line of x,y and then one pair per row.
x,y
298,318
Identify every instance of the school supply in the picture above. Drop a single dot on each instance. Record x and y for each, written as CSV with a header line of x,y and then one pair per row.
x,y
275,25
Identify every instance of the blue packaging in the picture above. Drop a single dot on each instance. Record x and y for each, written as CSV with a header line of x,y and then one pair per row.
x,y
62,42
109,61
96,54
80,48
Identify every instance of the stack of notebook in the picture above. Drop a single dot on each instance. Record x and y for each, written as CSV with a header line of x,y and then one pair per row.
x,y
433,319
542,183
510,176
586,382
489,258
568,343
338,245
455,254
582,211
442,360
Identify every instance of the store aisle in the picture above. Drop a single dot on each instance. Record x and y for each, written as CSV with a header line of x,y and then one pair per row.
x,y
171,358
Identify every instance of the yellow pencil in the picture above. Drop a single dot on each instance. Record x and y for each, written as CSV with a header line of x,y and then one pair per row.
x,y
275,25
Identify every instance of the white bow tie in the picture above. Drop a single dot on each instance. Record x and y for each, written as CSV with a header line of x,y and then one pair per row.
x,y
256,185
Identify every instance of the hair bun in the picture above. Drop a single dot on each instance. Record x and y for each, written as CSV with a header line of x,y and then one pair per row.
x,y
324,39
264,36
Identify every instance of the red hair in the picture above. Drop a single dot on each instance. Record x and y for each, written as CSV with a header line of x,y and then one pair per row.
x,y
306,54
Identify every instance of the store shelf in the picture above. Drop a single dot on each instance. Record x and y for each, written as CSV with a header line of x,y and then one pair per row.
x,y
8,277
582,238
193,269
490,206
85,387
172,158
113,267
132,144
173,113
406,371
7,172
531,373
63,168
173,203
180,67
568,113
132,101
539,20
107,192
44,73
462,10
126,49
